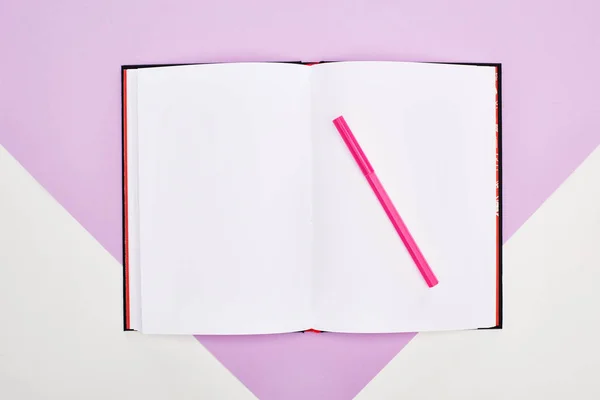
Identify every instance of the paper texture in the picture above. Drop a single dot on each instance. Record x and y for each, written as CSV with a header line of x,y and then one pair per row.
x,y
225,198
133,206
253,216
429,132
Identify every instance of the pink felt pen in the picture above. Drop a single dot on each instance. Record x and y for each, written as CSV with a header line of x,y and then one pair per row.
x,y
386,202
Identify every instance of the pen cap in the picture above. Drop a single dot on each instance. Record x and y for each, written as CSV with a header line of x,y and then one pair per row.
x,y
353,146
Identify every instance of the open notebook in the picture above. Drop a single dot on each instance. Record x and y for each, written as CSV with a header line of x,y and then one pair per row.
x,y
245,213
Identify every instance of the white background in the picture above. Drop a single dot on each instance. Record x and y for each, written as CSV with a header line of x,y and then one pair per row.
x,y
61,338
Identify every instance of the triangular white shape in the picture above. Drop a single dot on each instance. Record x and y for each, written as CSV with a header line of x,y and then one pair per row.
x,y
61,307
549,347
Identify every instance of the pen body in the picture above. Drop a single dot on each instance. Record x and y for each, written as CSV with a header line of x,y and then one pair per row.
x,y
402,230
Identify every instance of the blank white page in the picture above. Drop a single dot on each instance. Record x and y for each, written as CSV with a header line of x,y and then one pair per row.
x,y
225,198
429,132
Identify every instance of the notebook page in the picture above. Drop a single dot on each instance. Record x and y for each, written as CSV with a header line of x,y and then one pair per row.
x,y
224,194
429,132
